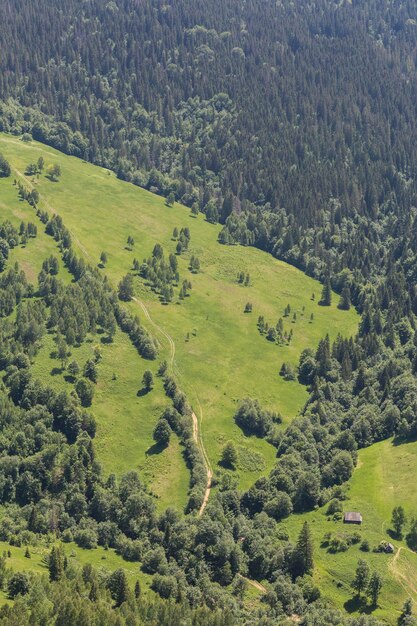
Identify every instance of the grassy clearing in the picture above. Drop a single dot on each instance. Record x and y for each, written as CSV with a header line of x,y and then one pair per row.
x,y
225,357
103,560
386,476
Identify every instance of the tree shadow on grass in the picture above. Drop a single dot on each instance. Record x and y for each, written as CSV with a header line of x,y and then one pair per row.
x,y
157,448
69,379
142,392
394,535
55,371
358,604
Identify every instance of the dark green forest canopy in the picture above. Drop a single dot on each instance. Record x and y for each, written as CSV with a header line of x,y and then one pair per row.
x,y
290,104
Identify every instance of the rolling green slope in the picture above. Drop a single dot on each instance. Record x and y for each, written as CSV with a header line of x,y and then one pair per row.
x,y
220,357
386,476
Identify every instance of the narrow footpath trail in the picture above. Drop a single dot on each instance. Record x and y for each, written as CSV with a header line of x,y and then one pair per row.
x,y
404,581
171,344
196,424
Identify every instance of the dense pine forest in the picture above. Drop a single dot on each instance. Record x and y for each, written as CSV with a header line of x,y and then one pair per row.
x,y
294,125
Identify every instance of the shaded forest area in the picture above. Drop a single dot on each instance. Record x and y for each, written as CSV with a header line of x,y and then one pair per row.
x,y
304,110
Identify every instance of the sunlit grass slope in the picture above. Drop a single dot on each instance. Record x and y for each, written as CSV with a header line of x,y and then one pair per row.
x,y
225,358
386,477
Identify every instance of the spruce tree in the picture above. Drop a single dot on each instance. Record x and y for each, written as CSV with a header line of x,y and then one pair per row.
x,y
344,303
118,586
398,520
303,553
147,380
56,564
361,579
374,588
326,294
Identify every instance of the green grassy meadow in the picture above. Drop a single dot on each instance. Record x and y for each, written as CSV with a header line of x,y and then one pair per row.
x,y
386,476
225,358
103,560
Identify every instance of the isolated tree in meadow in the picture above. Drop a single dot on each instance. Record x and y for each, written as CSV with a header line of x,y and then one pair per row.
x,y
398,520
53,172
162,432
147,380
248,307
175,233
374,588
229,455
326,294
40,164
103,258
360,582
137,590
31,169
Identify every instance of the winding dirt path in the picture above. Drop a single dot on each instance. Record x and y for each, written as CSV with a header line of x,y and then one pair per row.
x,y
196,427
403,580
171,343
